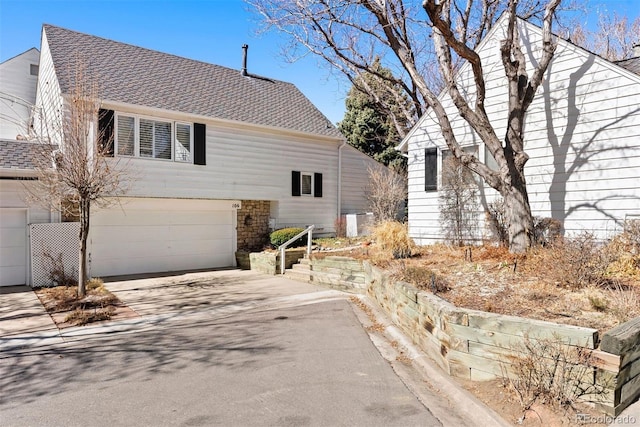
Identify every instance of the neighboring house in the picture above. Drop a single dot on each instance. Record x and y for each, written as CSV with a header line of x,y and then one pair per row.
x,y
220,156
16,172
18,77
582,135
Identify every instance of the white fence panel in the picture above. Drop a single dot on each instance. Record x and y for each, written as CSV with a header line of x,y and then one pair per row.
x,y
53,242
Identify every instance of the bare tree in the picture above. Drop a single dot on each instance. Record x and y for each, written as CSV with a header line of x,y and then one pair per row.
x,y
348,35
458,203
614,38
75,171
386,192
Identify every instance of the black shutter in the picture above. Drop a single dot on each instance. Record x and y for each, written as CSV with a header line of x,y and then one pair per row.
x,y
317,184
295,183
199,144
431,169
105,132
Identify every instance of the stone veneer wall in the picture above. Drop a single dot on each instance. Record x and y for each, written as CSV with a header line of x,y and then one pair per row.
x,y
476,345
253,224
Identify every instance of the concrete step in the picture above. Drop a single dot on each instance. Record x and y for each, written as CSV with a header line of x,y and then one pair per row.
x,y
300,276
301,267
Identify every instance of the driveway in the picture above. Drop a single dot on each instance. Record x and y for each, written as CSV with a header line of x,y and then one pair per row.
x,y
220,348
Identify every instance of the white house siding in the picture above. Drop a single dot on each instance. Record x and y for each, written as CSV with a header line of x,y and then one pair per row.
x,y
245,164
48,97
582,135
15,215
17,93
355,180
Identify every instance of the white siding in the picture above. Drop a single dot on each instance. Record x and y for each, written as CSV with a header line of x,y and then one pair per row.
x,y
17,94
582,135
48,98
355,180
246,164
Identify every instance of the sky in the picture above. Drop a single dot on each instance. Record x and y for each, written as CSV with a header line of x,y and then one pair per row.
x,y
212,31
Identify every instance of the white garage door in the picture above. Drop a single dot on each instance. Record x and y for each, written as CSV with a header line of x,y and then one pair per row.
x,y
156,235
13,246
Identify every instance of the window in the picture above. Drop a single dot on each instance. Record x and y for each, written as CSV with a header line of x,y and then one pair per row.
x,y
306,184
431,169
126,135
34,69
306,180
155,139
183,142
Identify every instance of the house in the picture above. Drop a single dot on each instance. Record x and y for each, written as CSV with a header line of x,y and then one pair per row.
x,y
220,156
582,135
18,77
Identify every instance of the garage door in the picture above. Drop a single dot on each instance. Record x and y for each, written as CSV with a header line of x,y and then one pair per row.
x,y
156,235
13,247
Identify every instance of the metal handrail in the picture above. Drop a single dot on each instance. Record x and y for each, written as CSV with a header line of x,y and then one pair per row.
x,y
282,247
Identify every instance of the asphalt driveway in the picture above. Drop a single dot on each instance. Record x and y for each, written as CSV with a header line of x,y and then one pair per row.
x,y
219,348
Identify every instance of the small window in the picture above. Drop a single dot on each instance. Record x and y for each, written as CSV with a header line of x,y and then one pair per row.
x,y
306,184
34,69
431,169
489,160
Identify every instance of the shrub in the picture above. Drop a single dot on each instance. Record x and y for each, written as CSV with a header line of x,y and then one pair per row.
x,y
393,239
572,262
497,220
551,372
278,237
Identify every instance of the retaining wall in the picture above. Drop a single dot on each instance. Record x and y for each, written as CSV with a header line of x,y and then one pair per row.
x,y
268,262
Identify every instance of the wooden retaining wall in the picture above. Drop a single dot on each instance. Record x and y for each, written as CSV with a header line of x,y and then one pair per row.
x,y
338,272
478,346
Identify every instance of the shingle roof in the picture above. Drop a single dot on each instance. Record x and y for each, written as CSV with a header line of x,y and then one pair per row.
x,y
631,64
19,154
139,76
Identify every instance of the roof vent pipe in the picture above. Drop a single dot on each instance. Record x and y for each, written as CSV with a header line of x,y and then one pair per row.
x,y
245,48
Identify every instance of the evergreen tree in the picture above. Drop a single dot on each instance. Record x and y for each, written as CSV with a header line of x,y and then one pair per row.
x,y
368,124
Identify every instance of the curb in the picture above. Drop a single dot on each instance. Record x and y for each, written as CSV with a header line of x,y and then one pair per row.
x,y
466,404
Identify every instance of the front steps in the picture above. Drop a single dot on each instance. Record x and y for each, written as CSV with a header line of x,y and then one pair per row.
x,y
335,272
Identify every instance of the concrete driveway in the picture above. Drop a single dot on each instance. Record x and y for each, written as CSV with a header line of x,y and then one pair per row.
x,y
224,348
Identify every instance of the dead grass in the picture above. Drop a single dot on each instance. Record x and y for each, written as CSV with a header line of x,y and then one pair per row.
x,y
578,283
66,309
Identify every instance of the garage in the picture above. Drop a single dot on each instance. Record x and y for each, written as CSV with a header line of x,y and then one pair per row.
x,y
13,246
143,235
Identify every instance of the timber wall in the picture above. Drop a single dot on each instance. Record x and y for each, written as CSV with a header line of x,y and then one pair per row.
x,y
477,345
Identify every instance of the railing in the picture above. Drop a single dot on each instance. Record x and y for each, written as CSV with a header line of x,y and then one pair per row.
x,y
308,231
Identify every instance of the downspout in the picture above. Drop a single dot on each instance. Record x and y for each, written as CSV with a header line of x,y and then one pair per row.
x,y
340,178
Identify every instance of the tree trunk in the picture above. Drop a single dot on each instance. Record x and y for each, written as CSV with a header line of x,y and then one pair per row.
x,y
85,206
518,217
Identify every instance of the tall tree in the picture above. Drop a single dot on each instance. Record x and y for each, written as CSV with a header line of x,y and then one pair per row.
x,y
368,122
350,35
75,170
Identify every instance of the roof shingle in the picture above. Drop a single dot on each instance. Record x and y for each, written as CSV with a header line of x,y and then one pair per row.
x,y
139,76
20,154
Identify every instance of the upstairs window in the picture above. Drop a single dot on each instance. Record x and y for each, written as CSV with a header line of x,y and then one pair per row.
x,y
306,184
154,139
431,169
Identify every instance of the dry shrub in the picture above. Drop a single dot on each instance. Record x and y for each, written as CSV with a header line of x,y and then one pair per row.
x,y
550,372
423,278
393,239
624,252
623,303
497,220
571,262
491,252
81,317
56,272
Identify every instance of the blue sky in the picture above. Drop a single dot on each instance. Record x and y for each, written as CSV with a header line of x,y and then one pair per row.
x,y
207,30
